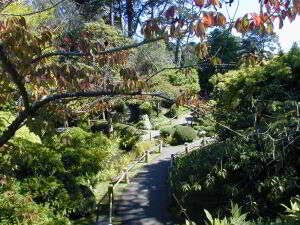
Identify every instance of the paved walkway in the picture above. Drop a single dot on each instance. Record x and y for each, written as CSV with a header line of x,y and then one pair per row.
x,y
145,200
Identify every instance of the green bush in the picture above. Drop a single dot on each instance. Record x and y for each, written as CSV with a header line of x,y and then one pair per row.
x,y
60,172
129,136
160,121
173,82
146,108
172,112
23,133
140,147
183,134
167,132
17,208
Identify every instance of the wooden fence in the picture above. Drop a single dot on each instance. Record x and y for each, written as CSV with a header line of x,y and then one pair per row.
x,y
125,178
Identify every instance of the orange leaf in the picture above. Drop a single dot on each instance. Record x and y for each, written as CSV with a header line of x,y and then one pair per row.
x,y
221,19
208,20
199,3
200,29
215,2
257,20
296,4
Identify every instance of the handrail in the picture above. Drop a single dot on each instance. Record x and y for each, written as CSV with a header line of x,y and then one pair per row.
x,y
124,176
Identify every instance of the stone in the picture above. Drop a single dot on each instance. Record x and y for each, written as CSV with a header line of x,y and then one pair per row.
x,y
146,122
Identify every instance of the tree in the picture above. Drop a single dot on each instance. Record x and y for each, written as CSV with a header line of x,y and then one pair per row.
x,y
224,49
40,67
260,44
225,46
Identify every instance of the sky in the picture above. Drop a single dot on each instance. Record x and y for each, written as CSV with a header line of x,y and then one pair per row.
x,y
290,32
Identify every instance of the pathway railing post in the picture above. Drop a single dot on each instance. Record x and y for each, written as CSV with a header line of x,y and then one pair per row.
x,y
150,136
172,161
160,146
127,180
186,148
111,198
147,156
203,142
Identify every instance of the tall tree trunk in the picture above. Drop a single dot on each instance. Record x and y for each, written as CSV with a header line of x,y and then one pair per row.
x,y
111,14
130,15
177,53
120,14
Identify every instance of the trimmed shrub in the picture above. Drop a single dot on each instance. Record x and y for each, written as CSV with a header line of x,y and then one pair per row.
x,y
167,132
146,108
160,121
61,172
183,134
140,147
129,136
17,208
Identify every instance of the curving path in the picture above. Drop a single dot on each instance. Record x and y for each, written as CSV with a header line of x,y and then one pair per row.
x,y
145,200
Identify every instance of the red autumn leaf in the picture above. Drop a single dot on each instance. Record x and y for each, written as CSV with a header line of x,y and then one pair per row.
x,y
296,4
215,2
208,19
200,29
199,3
170,13
257,19
220,19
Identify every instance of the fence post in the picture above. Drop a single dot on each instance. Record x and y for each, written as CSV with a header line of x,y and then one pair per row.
x,y
160,146
186,148
111,198
150,136
203,142
147,156
206,142
172,161
127,181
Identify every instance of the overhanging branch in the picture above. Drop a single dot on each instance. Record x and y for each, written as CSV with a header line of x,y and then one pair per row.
x,y
108,51
10,68
25,114
34,12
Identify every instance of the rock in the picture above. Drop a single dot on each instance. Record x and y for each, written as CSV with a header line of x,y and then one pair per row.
x,y
202,133
146,122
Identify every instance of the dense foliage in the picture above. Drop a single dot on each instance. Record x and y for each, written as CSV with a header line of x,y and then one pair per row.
x,y
255,164
65,64
178,134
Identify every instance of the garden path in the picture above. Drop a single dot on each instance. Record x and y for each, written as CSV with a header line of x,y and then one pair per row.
x,y
145,201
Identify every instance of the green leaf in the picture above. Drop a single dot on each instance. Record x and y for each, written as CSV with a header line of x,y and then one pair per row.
x,y
209,216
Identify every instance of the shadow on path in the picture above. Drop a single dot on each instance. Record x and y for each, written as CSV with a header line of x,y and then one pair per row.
x,y
145,201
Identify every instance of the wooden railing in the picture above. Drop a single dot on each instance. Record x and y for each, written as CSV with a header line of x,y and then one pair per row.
x,y
188,148
125,178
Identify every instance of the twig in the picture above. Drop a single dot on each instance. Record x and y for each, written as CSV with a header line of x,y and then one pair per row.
x,y
35,12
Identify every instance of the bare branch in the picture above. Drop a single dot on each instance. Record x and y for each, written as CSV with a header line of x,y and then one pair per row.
x,y
112,50
35,12
5,4
10,68
25,114
196,66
